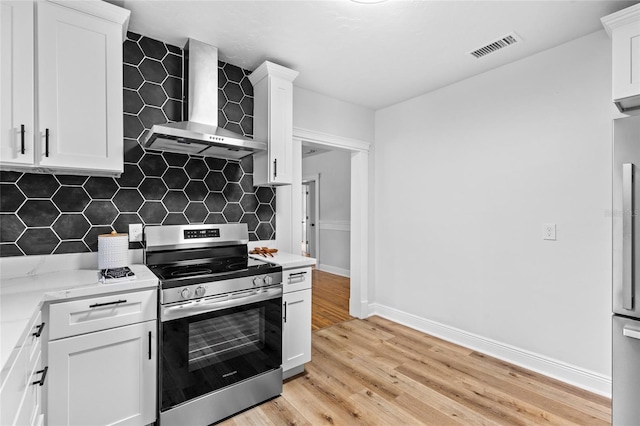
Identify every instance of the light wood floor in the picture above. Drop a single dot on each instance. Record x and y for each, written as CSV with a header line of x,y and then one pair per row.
x,y
376,372
329,300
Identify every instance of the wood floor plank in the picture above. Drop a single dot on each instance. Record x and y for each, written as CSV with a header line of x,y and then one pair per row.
x,y
330,299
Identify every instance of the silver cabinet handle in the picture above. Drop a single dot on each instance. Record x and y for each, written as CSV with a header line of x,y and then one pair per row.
x,y
631,332
627,236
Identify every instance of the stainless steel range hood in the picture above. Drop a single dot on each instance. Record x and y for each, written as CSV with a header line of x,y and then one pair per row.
x,y
200,134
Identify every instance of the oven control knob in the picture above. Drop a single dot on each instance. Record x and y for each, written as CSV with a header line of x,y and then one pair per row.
x,y
268,280
200,291
185,293
257,282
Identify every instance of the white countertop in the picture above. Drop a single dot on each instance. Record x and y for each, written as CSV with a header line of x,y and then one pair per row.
x,y
287,260
21,297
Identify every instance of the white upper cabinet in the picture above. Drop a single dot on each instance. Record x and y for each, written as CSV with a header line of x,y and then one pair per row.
x,y
624,29
273,123
79,126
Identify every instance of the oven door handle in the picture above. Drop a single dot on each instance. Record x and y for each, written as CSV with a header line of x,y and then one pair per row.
x,y
217,303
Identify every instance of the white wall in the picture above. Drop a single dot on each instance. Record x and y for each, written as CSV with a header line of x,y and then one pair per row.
x,y
333,226
465,178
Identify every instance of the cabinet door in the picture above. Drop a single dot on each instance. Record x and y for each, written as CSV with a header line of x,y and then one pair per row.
x,y
79,90
16,82
296,331
626,61
107,377
280,130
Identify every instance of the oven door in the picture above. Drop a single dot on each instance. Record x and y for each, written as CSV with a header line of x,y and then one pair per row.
x,y
215,342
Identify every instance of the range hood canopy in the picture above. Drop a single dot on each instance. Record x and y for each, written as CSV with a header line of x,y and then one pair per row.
x,y
200,134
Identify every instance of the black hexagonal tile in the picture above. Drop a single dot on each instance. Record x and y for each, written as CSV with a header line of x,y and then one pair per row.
x,y
152,212
152,94
232,72
196,190
38,241
133,152
10,228
9,250
196,168
234,127
153,188
247,106
233,112
247,88
232,212
233,92
232,171
133,36
273,205
71,247
173,110
101,187
132,126
247,183
251,220
128,200
264,194
9,177
38,185
131,177
71,199
174,49
222,100
215,218
247,125
175,219
91,238
173,65
10,198
233,192
132,103
249,203
153,48
173,88
215,202
264,231
71,226
72,179
101,212
38,213
132,79
153,164
122,222
175,178
247,164
215,181
174,159
152,115
152,70
196,212
131,52
216,164
175,201
264,212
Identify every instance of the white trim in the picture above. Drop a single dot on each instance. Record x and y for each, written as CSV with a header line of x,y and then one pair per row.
x,y
100,9
333,270
334,225
621,18
316,212
568,373
331,140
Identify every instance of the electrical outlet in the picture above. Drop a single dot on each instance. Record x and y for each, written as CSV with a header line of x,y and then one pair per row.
x,y
135,232
549,231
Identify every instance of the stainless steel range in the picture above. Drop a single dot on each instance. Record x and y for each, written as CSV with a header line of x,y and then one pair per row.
x,y
220,323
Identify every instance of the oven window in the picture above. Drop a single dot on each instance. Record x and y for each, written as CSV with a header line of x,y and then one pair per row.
x,y
207,352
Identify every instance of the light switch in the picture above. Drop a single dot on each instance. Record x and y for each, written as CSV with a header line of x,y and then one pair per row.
x,y
135,232
549,231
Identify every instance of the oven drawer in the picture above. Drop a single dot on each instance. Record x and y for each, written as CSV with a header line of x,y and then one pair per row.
x,y
100,313
296,279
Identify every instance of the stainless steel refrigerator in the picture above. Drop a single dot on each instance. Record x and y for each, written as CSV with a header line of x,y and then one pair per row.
x,y
626,272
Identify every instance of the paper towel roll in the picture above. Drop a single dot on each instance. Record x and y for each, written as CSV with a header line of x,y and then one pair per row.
x,y
113,250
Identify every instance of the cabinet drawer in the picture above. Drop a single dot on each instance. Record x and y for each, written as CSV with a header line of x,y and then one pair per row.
x,y
296,279
100,313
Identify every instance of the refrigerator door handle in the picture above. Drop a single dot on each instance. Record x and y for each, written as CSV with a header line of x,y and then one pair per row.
x,y
627,236
631,332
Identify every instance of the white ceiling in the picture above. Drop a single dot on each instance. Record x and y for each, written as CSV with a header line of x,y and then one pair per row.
x,y
373,55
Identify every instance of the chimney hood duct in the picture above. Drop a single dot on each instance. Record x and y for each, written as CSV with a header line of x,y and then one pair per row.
x,y
200,134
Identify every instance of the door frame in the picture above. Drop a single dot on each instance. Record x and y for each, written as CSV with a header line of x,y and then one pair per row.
x,y
289,211
316,211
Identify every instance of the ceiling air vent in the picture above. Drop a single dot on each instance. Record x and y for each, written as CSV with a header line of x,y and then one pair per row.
x,y
501,43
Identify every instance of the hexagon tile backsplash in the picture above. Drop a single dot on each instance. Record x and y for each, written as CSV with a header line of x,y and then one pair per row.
x,y
51,214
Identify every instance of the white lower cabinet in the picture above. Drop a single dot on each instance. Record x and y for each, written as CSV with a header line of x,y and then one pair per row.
x,y
296,317
104,378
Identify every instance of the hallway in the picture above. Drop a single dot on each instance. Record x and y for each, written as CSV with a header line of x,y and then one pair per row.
x,y
330,300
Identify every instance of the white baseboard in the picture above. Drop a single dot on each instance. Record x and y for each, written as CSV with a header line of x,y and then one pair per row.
x,y
333,270
585,379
